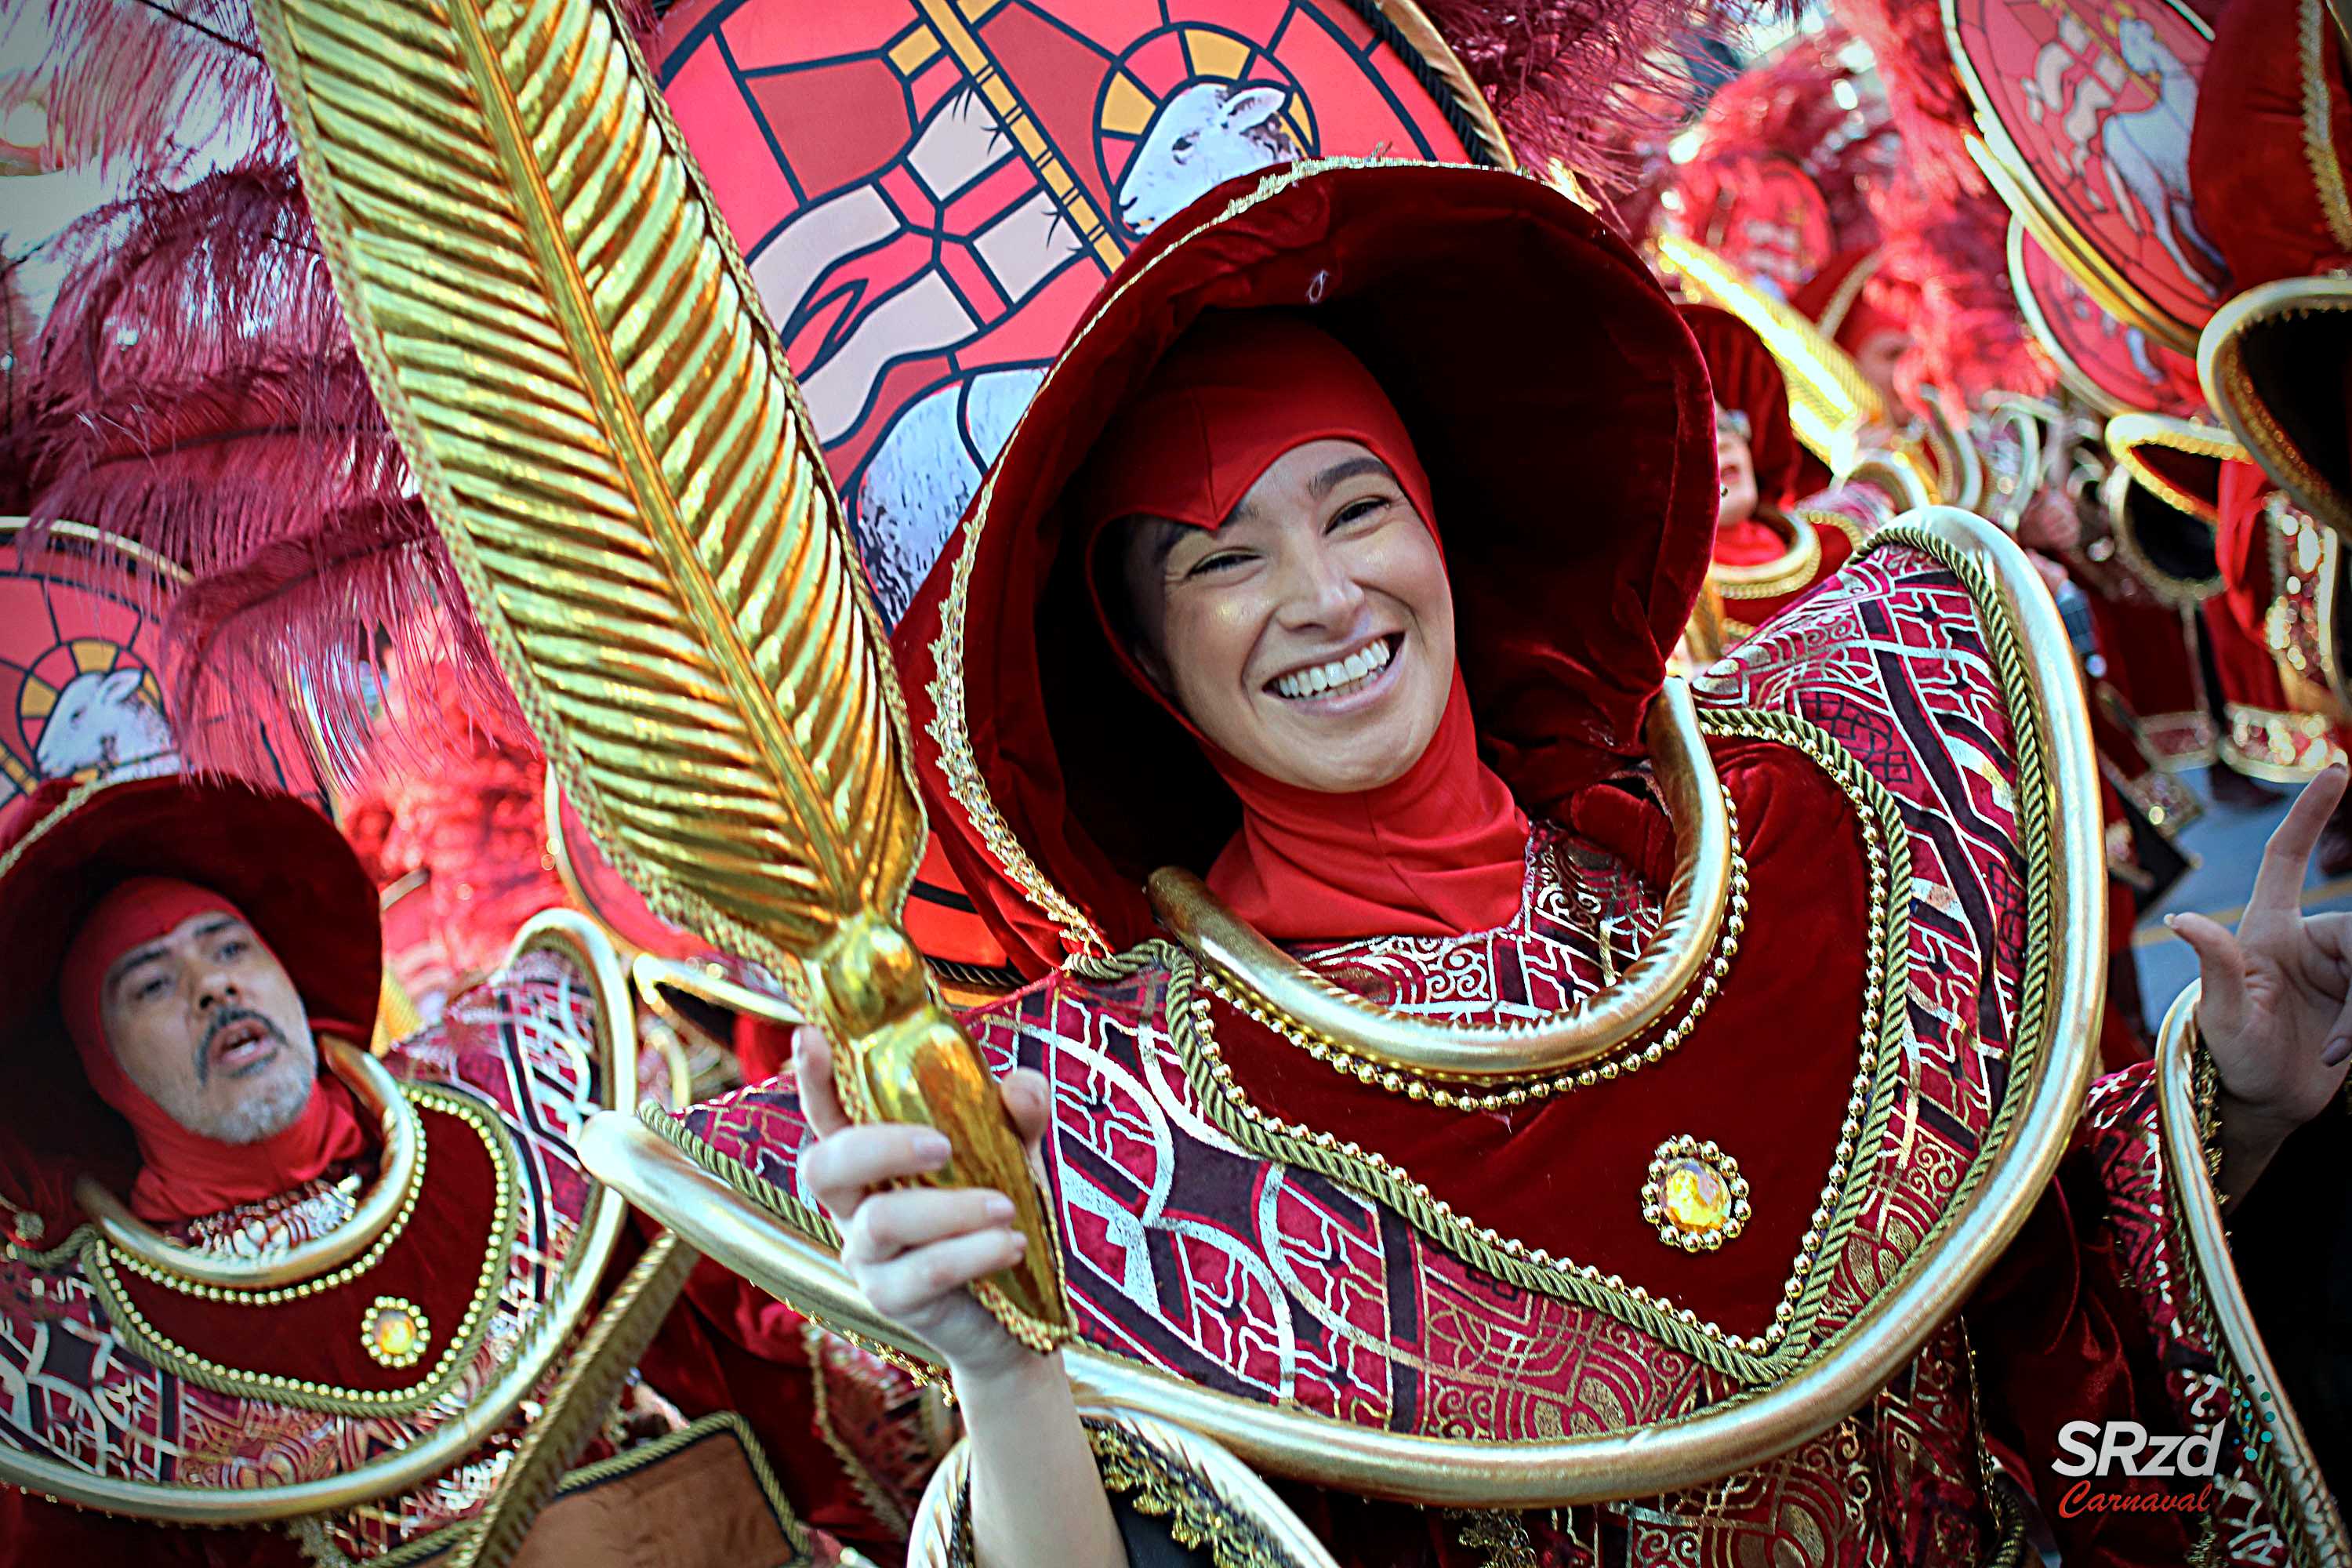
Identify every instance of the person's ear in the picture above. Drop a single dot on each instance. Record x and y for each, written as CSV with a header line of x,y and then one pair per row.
x,y
1154,664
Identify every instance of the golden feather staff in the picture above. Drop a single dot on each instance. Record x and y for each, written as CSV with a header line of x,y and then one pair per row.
x,y
604,429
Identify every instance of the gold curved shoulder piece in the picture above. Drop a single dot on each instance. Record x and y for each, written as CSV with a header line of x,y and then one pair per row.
x,y
1899,474
2288,1467
1792,569
400,1469
2130,435
2118,493
1694,903
766,1243
2250,342
1208,1497
706,982
1959,466
387,1199
1829,401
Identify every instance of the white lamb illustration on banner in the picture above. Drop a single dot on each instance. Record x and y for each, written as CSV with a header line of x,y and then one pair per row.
x,y
925,472
1203,136
2146,152
101,722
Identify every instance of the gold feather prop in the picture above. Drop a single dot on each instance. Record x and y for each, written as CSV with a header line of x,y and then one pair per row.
x,y
605,431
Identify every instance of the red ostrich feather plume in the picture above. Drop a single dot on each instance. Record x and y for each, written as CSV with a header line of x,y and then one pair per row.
x,y
148,81
1809,103
197,393
1586,83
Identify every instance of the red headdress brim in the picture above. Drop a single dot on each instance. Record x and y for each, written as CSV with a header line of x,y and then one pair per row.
x,y
271,855
1746,377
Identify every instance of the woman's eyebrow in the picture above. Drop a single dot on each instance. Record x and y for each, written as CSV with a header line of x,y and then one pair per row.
x,y
1340,473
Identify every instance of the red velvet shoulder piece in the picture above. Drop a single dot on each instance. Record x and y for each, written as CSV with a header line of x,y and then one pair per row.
x,y
1332,1245
136,1380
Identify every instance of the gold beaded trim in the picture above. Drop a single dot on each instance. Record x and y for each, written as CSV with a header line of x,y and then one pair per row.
x,y
1657,1201
1416,1085
1795,568
117,1258
99,1267
1787,1341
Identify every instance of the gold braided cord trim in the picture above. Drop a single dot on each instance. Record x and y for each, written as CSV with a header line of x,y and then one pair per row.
x,y
151,1344
57,1257
798,1218
1787,1342
1854,528
2319,137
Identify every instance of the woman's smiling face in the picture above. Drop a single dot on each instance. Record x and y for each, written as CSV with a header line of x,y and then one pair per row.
x,y
1309,637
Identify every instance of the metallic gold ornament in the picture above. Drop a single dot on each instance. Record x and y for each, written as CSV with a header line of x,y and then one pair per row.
x,y
1695,1195
395,1331
604,427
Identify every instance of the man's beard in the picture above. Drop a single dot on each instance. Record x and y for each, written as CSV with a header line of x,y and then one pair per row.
x,y
267,1111
275,1098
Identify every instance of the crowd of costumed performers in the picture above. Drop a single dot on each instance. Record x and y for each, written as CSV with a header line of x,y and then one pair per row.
x,y
1262,784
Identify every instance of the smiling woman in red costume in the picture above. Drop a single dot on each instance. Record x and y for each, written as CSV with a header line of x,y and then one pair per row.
x,y
1512,1108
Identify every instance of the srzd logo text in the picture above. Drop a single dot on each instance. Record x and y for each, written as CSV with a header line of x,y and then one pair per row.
x,y
2127,1447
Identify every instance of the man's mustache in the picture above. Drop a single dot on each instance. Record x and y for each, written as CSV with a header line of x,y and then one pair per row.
x,y
222,1020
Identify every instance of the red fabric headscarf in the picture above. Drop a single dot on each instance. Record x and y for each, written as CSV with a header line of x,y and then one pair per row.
x,y
1437,852
183,1174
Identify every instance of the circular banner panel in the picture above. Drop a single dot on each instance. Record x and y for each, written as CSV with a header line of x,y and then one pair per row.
x,y
81,661
1760,212
2086,106
2113,367
929,192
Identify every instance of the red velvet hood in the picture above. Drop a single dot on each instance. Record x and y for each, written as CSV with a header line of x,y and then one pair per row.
x,y
1560,407
272,855
2251,152
1746,377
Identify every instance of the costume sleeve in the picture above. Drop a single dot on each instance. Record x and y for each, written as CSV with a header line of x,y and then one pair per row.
x,y
2096,1316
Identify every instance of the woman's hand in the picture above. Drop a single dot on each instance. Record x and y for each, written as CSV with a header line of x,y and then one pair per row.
x,y
912,1251
1035,1494
2274,1011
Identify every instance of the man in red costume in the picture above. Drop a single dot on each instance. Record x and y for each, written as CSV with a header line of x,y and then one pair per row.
x,y
251,1273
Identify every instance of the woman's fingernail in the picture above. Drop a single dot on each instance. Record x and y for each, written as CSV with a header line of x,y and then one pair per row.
x,y
2171,920
933,1146
999,1206
1019,1243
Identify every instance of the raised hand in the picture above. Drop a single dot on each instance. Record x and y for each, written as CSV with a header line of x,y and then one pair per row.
x,y
912,1251
2274,1011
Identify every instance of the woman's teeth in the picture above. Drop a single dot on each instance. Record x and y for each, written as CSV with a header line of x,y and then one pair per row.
x,y
1339,677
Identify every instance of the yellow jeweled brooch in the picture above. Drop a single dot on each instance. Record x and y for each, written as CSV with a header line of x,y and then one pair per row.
x,y
1695,1195
395,1331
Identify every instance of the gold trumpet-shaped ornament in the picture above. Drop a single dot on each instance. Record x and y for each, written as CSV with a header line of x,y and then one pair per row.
x,y
604,426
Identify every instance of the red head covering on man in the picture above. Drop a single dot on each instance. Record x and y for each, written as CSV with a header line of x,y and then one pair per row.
x,y
1746,377
88,875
